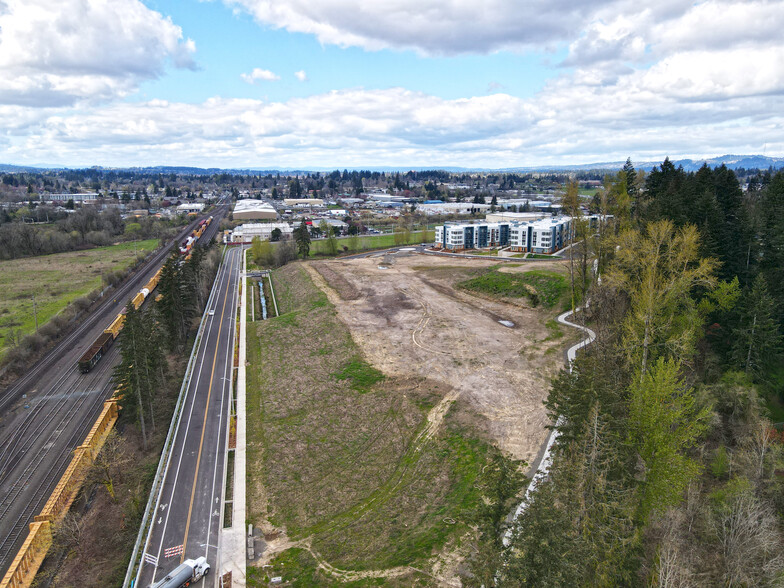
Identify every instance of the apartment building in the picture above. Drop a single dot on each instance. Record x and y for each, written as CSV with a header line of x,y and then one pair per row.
x,y
536,236
457,236
542,236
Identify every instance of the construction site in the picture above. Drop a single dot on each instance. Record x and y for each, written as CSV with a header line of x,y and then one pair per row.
x,y
368,464
410,318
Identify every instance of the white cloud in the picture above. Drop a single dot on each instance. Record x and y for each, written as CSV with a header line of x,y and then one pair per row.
x,y
260,74
722,24
60,52
673,78
603,42
301,75
428,26
564,124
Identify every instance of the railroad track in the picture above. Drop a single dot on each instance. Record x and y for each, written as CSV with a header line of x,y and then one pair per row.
x,y
62,457
126,289
56,411
27,433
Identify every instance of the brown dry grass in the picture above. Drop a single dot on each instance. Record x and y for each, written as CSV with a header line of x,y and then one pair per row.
x,y
343,287
365,479
411,321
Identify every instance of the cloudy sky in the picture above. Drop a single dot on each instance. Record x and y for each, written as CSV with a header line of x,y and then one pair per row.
x,y
353,83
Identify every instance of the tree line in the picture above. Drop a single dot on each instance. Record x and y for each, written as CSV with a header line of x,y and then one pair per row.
x,y
156,334
668,469
83,228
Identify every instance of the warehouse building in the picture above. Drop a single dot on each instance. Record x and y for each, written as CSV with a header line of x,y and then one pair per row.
x,y
452,208
254,210
524,217
304,202
190,208
246,232
77,198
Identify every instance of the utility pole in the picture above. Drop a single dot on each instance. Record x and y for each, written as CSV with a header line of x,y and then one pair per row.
x,y
35,314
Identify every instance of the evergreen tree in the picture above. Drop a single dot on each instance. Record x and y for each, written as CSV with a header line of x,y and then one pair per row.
x,y
302,238
772,233
140,372
757,339
176,305
295,188
631,178
664,196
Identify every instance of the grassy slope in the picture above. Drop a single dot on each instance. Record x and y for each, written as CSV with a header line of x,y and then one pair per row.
x,y
541,287
331,443
56,280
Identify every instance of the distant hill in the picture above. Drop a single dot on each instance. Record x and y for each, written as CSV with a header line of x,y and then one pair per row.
x,y
12,169
731,161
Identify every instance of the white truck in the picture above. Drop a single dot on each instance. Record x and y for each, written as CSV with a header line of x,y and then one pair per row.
x,y
185,574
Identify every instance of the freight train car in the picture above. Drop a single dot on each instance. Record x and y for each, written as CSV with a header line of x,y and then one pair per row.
x,y
101,345
95,352
187,245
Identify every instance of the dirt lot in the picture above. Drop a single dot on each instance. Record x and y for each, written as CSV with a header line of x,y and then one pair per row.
x,y
409,320
376,403
370,474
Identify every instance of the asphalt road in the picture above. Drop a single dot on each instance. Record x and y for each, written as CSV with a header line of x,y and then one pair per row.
x,y
49,411
188,512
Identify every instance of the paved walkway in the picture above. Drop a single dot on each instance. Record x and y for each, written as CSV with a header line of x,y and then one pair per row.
x,y
547,457
233,539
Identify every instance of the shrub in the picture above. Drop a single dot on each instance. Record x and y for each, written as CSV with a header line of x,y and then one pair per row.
x,y
720,465
81,304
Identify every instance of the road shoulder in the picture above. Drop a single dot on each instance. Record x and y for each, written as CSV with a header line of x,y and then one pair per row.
x,y
233,555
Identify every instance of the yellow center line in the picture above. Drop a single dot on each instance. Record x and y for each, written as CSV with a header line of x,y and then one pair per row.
x,y
204,425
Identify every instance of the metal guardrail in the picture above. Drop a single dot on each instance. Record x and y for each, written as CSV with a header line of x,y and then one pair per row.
x,y
134,567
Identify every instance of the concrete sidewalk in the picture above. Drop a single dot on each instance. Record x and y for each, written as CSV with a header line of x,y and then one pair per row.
x,y
233,543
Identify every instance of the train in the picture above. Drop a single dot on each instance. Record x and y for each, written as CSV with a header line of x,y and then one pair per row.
x,y
104,341
186,246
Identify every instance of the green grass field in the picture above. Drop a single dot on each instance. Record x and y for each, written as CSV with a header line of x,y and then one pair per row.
x,y
332,445
540,287
364,243
56,281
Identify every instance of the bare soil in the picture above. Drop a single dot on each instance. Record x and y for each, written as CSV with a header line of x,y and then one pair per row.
x,y
377,484
409,320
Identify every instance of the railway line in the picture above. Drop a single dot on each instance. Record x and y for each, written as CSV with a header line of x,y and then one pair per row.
x,y
49,411
100,316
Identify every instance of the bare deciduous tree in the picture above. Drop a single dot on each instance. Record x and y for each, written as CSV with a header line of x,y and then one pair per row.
x,y
750,541
109,463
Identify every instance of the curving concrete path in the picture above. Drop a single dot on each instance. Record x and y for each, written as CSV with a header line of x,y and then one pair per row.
x,y
547,459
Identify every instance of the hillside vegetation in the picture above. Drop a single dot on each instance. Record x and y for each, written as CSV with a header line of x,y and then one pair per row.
x,y
668,470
